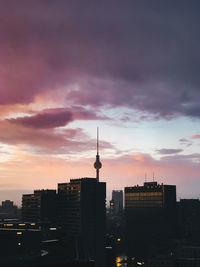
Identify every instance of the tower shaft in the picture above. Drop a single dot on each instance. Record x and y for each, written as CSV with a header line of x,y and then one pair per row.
x,y
97,164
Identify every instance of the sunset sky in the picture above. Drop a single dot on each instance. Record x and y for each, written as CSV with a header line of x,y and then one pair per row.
x,y
130,67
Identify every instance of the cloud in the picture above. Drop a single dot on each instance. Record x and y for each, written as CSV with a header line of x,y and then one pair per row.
x,y
135,55
47,140
185,142
52,118
165,151
196,136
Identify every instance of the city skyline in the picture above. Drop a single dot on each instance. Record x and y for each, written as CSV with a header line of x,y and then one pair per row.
x,y
130,68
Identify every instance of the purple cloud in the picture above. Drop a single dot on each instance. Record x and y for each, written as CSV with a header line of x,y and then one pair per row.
x,y
52,118
144,57
185,142
167,151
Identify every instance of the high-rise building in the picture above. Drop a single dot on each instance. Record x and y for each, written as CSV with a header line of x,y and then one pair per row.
x,y
116,204
150,215
188,211
39,206
81,209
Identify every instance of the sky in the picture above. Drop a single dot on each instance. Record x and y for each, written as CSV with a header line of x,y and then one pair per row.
x,y
130,67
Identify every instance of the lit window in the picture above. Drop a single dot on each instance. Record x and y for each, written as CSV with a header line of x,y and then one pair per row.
x,y
19,233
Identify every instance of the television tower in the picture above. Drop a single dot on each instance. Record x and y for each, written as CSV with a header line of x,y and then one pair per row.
x,y
97,164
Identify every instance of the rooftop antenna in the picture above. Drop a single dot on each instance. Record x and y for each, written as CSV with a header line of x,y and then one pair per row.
x,y
153,176
145,177
97,164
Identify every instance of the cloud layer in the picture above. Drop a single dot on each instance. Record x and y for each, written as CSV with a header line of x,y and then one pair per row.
x,y
134,54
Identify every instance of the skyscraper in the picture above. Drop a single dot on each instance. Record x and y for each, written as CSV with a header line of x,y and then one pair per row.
x,y
150,216
116,204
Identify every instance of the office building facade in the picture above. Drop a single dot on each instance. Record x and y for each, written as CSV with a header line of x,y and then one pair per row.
x,y
39,206
81,209
150,216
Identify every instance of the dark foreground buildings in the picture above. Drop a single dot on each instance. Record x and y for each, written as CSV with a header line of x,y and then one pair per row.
x,y
150,212
39,206
8,210
77,211
82,216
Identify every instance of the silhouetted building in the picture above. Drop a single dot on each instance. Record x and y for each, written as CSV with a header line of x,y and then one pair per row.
x,y
8,210
116,204
18,245
81,209
40,206
188,211
187,256
150,216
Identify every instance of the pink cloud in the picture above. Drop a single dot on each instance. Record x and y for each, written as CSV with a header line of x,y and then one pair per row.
x,y
196,136
47,140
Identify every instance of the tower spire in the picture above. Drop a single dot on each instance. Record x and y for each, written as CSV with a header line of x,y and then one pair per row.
x,y
97,140
97,164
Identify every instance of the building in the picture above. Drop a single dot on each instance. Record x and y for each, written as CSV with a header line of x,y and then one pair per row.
x,y
81,209
19,244
150,217
39,206
116,204
8,210
188,211
81,214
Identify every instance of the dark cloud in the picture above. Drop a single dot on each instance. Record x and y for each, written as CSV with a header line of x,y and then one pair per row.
x,y
167,151
52,118
48,141
45,120
134,54
185,142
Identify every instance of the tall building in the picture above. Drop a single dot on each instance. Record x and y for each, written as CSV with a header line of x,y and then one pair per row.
x,y
116,204
81,214
188,211
39,206
150,216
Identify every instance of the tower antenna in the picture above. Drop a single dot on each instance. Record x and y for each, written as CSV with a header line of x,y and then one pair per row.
x,y
97,140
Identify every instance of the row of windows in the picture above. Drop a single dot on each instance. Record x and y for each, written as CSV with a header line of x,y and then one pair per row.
x,y
143,194
141,198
